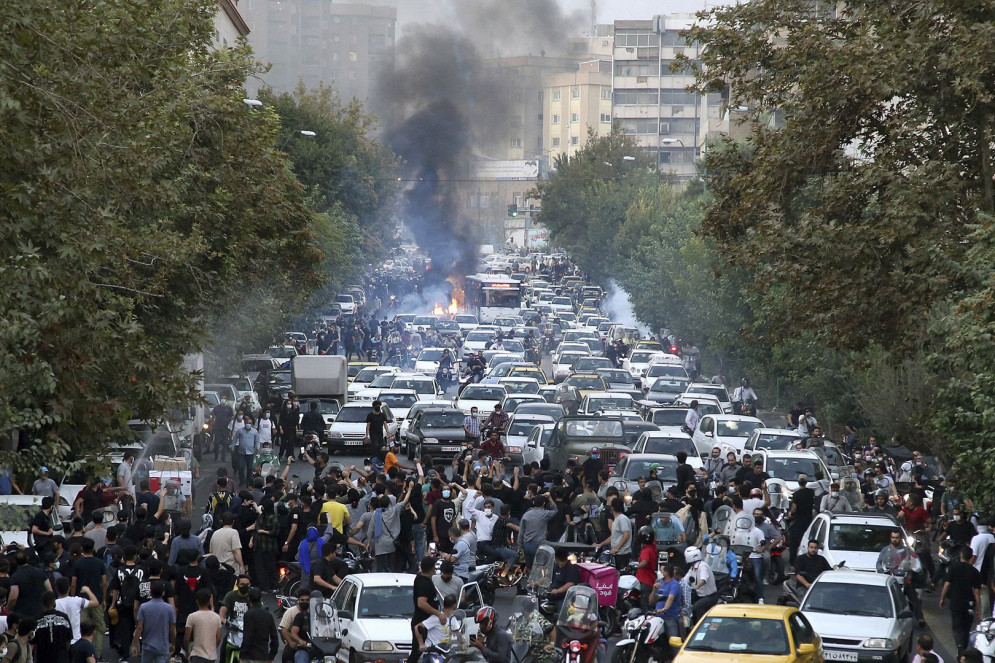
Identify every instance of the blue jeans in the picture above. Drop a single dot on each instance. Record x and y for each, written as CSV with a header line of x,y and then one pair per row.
x,y
302,656
244,467
507,554
418,534
530,552
757,565
154,657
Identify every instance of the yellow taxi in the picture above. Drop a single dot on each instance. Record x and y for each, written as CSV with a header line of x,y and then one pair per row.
x,y
355,367
648,344
748,633
528,372
586,383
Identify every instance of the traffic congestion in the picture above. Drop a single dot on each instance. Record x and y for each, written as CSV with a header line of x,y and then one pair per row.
x,y
493,468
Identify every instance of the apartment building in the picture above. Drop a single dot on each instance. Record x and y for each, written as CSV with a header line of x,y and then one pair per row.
x,y
344,46
229,24
574,103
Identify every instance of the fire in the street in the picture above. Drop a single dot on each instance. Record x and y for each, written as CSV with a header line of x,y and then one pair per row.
x,y
452,309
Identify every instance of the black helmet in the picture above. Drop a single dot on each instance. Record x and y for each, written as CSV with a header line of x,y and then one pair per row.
x,y
646,535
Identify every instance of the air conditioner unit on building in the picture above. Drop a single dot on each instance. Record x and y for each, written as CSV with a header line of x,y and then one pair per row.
x,y
664,128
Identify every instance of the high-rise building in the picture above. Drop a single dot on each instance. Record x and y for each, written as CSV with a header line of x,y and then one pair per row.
x,y
575,103
344,46
650,93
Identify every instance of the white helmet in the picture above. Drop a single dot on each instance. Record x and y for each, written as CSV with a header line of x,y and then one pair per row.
x,y
692,555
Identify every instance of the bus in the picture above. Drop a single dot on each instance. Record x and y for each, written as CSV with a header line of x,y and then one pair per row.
x,y
489,296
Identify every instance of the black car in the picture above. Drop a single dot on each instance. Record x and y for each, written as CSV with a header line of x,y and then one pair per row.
x,y
437,432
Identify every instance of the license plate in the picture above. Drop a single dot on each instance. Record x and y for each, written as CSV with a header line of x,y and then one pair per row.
x,y
353,443
451,449
848,656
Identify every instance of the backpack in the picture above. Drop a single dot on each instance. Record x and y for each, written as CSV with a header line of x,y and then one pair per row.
x,y
220,504
130,579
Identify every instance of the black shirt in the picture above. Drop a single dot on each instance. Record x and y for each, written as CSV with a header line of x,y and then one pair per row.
x,y
303,623
685,475
963,579
30,582
81,651
260,640
89,572
564,574
126,579
188,580
52,637
756,480
592,466
810,567
804,501
424,587
376,420
327,570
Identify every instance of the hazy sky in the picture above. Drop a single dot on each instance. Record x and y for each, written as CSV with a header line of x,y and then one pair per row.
x,y
420,11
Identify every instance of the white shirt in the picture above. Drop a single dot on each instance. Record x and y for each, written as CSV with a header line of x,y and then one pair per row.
x,y
752,503
265,431
701,572
744,393
757,539
124,477
484,524
805,425
691,420
72,606
980,543
436,631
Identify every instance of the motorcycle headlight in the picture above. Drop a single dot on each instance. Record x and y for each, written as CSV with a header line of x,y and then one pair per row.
x,y
377,645
880,643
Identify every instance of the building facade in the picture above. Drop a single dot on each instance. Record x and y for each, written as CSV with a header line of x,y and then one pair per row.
x,y
576,103
343,46
229,24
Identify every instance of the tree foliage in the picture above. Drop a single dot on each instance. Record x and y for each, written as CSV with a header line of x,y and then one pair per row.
x,y
139,200
868,158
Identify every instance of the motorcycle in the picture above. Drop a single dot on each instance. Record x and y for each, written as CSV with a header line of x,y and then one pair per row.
x,y
529,631
233,640
640,633
578,631
982,638
946,553
322,643
628,594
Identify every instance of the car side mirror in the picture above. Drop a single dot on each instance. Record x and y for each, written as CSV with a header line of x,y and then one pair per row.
x,y
675,641
709,434
906,614
806,649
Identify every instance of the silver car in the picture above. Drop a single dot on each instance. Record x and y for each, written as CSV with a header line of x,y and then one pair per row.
x,y
862,617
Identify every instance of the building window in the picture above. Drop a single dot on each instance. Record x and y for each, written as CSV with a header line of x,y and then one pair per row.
x,y
676,97
606,93
606,118
575,140
353,56
556,142
516,142
556,119
556,95
683,69
574,117
575,93
636,97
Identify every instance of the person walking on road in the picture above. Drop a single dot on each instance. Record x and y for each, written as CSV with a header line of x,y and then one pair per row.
x,y
260,641
155,628
244,449
963,589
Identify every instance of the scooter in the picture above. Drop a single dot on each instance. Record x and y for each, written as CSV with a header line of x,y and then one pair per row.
x,y
640,633
982,638
233,640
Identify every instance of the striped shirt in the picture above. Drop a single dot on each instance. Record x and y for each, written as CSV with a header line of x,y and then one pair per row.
x,y
472,424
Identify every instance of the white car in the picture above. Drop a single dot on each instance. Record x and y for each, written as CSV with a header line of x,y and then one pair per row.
x,y
771,438
520,385
535,445
501,369
563,367
347,303
467,322
569,346
787,465
726,431
517,434
424,323
371,615
348,431
426,387
482,396
399,401
659,442
368,375
716,390
854,538
428,360
562,304
16,511
606,401
373,389
670,419
477,340
637,362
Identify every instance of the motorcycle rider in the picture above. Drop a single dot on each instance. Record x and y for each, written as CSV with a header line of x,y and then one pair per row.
x,y
497,419
882,505
742,395
313,423
898,560
493,643
808,567
475,366
646,568
565,575
834,501
702,581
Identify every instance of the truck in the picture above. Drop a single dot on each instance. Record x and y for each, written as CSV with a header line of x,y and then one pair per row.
x,y
321,378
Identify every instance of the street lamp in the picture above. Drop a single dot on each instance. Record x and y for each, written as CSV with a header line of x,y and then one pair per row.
x,y
675,141
304,133
252,103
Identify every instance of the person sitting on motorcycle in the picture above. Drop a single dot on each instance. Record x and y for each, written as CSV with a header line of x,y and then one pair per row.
x,y
742,395
668,607
538,631
646,568
565,575
899,560
882,505
394,345
433,631
493,643
701,579
475,366
493,446
497,419
312,423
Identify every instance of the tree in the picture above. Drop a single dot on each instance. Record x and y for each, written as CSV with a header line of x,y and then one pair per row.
x,y
868,158
141,203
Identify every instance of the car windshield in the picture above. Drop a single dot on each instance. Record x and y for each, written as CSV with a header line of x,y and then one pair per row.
x,y
394,601
737,428
382,381
670,445
431,354
479,336
278,378
640,357
788,468
669,417
420,386
481,393
616,376
212,397
641,468
447,326
282,351
513,345
398,400
586,383
345,299
530,387
569,358
521,428
614,403
664,369
500,370
849,599
718,392
740,635
546,409
328,406
466,319
16,517
559,301
353,415
593,427
670,385
859,538
772,441
425,320
589,364
442,420
367,374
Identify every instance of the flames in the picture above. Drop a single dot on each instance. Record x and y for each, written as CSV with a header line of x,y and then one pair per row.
x,y
452,309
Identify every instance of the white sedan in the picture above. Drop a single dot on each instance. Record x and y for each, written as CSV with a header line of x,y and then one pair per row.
x,y
482,396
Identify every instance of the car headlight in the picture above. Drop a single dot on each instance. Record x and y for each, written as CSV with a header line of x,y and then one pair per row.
x,y
377,645
329,659
335,435
880,643
515,450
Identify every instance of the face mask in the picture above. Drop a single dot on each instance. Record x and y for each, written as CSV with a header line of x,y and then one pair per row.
x,y
960,518
243,590
368,468
248,426
238,418
266,416
758,519
488,512
446,494
834,492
